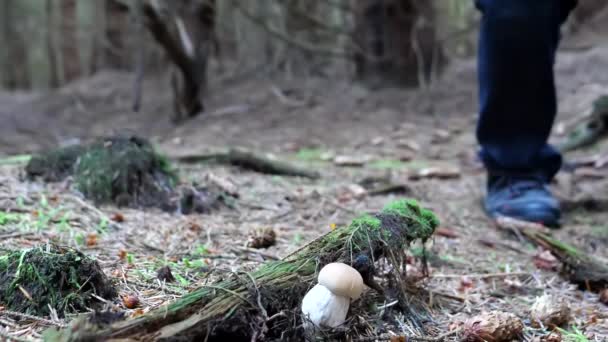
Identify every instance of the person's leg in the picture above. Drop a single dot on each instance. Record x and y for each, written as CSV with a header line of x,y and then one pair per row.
x,y
518,41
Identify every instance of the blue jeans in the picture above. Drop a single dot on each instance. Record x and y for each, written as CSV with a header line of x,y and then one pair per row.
x,y
517,46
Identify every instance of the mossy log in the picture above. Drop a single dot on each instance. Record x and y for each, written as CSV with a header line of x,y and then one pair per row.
x,y
594,127
578,267
266,302
251,161
125,170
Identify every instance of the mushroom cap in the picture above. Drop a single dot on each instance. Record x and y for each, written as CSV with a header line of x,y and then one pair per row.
x,y
341,280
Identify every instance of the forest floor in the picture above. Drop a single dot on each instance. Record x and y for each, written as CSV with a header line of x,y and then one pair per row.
x,y
396,133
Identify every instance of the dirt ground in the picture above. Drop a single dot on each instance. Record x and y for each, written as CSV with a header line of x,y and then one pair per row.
x,y
397,132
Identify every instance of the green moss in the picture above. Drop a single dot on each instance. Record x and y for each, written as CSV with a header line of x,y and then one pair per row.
x,y
424,222
54,165
600,105
127,167
387,164
367,221
309,154
35,280
125,170
561,246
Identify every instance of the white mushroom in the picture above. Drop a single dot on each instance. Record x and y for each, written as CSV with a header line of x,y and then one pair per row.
x,y
326,304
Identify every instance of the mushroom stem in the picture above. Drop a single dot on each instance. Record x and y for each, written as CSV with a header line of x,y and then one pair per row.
x,y
323,308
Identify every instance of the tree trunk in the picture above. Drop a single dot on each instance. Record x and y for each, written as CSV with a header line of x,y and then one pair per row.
x,y
396,42
51,42
114,41
188,37
16,62
69,41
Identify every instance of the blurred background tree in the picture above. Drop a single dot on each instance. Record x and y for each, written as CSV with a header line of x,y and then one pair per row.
x,y
52,42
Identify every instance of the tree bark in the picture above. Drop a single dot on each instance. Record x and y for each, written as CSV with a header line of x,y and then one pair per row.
x,y
69,41
114,40
16,63
188,38
51,43
396,41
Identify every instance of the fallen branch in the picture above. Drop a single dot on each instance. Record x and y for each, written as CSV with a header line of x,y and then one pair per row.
x,y
31,318
251,161
239,306
594,127
483,276
10,337
578,267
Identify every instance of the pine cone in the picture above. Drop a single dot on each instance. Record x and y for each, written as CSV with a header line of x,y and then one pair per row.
x,y
262,238
549,312
492,326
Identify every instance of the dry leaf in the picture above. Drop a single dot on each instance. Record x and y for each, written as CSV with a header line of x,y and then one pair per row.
x,y
194,226
413,272
225,184
409,144
552,337
405,156
377,141
351,191
137,312
466,284
546,261
603,297
436,172
350,161
440,136
446,232
118,217
590,173
118,273
91,240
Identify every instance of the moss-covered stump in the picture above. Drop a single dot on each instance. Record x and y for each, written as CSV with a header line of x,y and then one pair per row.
x,y
265,304
594,127
33,281
54,165
582,269
126,171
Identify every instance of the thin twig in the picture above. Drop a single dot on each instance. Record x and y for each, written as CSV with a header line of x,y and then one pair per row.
x,y
255,251
10,337
483,276
387,337
15,235
30,317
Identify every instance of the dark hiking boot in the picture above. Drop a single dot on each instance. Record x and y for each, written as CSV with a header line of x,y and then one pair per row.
x,y
522,197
